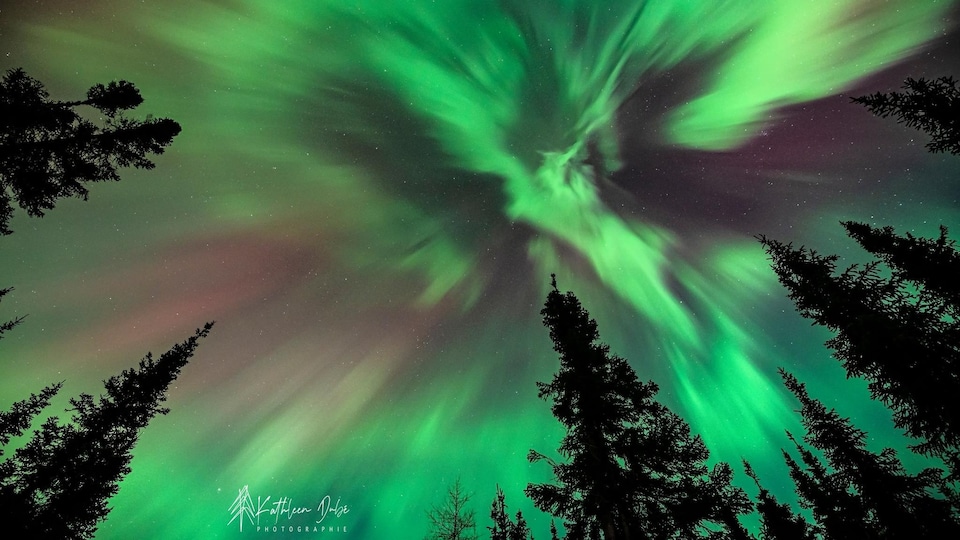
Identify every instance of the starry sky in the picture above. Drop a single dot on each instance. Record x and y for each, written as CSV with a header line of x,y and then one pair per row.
x,y
369,198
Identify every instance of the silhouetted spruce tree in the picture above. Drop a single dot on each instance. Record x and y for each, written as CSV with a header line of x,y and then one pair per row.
x,y
899,329
930,106
631,468
777,520
57,485
15,510
452,519
8,325
503,527
48,150
861,494
841,512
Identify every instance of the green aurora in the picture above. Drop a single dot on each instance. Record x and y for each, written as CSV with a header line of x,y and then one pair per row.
x,y
369,198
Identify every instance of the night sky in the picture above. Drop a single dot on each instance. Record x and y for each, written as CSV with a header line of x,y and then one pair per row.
x,y
369,198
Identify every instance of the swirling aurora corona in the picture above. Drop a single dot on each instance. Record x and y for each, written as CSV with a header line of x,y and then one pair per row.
x,y
369,197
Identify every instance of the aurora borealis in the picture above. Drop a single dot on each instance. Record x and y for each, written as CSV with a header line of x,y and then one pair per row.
x,y
369,198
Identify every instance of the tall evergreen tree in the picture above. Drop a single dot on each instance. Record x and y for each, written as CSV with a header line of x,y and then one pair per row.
x,y
898,329
14,423
57,485
930,106
453,519
834,508
859,493
554,535
631,468
777,520
49,151
897,324
503,527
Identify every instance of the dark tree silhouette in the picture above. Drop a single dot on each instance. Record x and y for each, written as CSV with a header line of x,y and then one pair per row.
x,y
48,150
503,527
8,325
930,106
840,511
777,520
859,493
452,519
632,468
897,324
554,535
56,486
898,329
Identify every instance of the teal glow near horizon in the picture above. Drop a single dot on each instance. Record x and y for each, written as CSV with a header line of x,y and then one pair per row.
x,y
370,197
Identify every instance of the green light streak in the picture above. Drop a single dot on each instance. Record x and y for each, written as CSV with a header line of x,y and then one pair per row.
x,y
801,51
727,384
